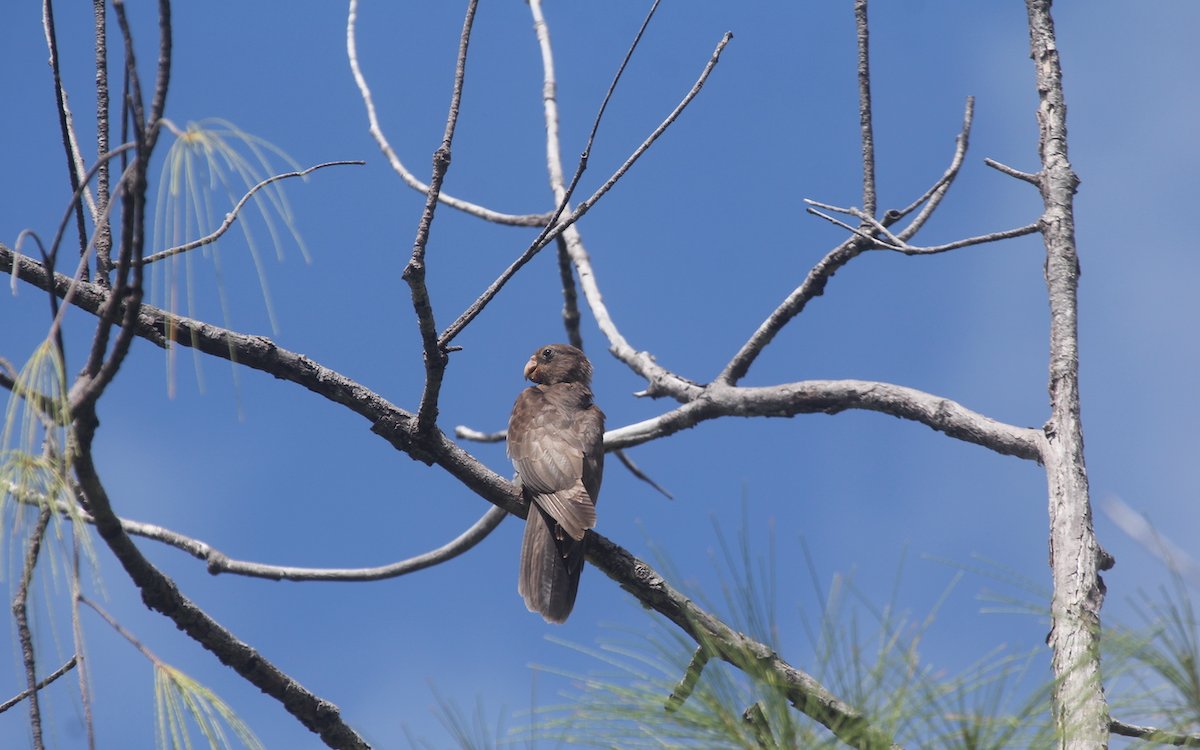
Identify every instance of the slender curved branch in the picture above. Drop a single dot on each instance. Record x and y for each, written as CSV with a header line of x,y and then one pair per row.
x,y
435,353
522,220
66,125
232,216
585,279
932,198
218,563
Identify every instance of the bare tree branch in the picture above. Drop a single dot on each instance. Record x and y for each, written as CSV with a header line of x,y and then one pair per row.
x,y
802,690
232,216
161,594
20,614
435,354
66,125
70,663
814,283
585,276
1032,179
1155,736
1076,558
864,106
525,220
637,472
218,562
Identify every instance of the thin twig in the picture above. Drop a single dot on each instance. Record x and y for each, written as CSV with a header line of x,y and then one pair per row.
x,y
218,563
103,240
468,433
70,663
1006,234
1032,179
66,126
687,684
864,106
815,281
21,616
232,216
121,629
661,381
523,220
435,353
637,472
930,201
570,313
85,688
1155,736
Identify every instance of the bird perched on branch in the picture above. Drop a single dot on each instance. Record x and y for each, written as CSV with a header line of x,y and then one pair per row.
x,y
556,443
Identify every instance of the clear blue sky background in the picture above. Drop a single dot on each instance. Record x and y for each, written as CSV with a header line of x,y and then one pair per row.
x,y
696,246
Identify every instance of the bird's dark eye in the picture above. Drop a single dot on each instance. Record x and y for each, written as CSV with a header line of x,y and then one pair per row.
x,y
547,354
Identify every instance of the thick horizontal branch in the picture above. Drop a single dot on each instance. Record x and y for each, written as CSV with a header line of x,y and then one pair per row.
x,y
390,422
831,397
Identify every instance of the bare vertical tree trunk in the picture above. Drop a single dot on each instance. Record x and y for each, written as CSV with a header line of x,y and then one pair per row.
x,y
1075,556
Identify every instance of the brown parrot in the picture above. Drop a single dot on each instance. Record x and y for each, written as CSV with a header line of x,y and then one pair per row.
x,y
556,443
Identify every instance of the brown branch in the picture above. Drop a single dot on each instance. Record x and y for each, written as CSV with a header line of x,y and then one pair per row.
x,y
24,636
232,216
524,220
585,276
160,593
435,352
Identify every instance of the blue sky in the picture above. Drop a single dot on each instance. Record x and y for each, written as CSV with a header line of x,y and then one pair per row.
x,y
692,250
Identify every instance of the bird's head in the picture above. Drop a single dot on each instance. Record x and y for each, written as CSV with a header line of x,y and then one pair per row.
x,y
558,363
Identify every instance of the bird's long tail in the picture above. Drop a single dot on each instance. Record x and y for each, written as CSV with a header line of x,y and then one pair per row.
x,y
550,567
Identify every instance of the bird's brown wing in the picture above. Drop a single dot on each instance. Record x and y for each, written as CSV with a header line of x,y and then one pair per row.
x,y
554,446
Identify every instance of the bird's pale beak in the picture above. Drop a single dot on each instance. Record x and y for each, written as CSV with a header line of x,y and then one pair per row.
x,y
530,366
